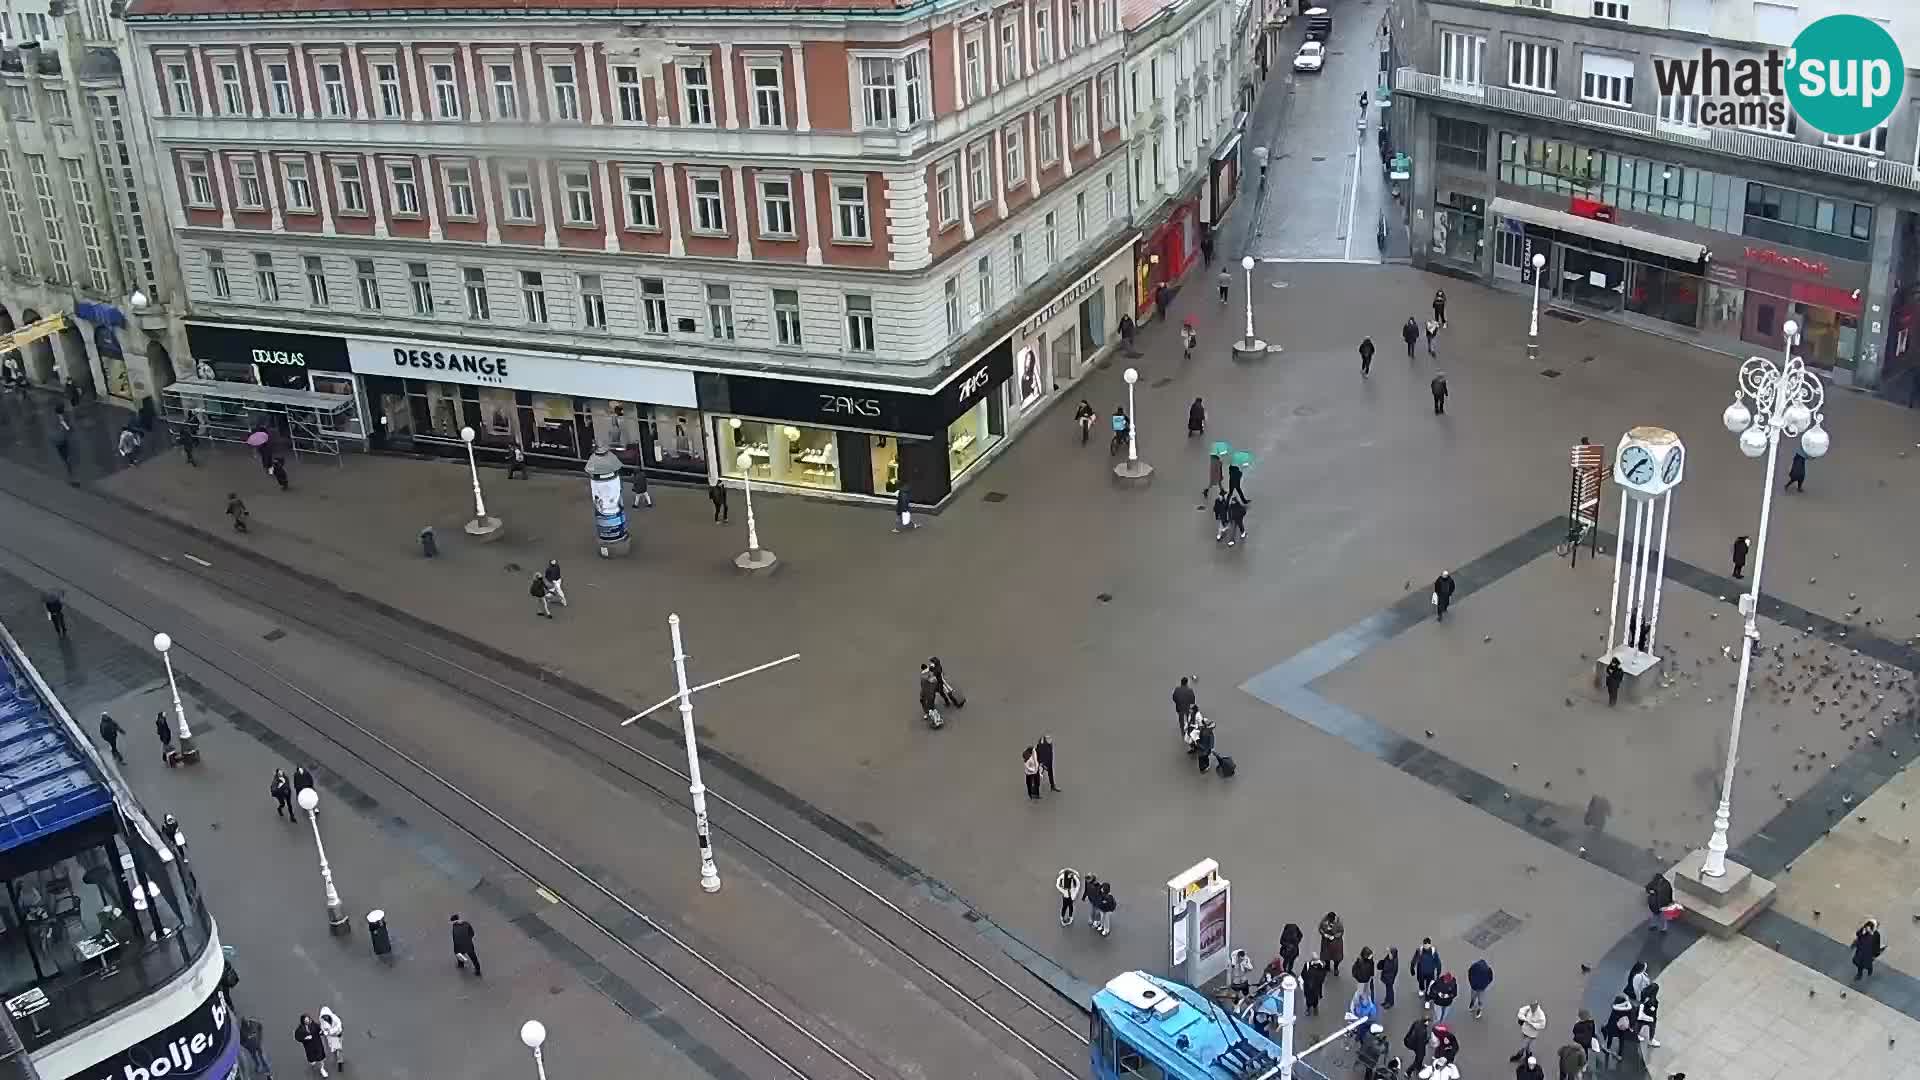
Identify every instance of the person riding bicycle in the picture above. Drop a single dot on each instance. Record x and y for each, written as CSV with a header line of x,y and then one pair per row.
x,y
1084,417
1120,424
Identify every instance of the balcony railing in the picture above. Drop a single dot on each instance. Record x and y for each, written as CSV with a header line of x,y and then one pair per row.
x,y
1729,141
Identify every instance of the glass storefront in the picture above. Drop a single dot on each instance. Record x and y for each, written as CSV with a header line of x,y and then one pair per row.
x,y
779,453
1459,227
884,453
547,425
970,436
673,438
1664,294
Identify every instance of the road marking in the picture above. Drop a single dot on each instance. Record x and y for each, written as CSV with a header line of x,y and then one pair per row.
x,y
1353,201
198,559
550,898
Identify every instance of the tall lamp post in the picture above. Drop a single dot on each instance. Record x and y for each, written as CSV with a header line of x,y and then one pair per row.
x,y
1786,399
1249,344
534,1034
309,800
1533,323
188,751
756,558
482,526
1132,470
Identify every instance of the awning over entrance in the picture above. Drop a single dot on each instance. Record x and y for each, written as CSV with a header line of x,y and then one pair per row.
x,y
1638,239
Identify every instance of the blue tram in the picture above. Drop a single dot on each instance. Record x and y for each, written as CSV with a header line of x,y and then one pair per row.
x,y
1153,1028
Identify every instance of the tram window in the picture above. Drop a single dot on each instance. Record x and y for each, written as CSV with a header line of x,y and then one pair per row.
x,y
1132,1063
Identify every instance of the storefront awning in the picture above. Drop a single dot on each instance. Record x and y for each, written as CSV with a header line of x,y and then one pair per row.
x,y
1684,250
205,390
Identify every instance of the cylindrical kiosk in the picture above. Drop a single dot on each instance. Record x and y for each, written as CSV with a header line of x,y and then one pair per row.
x,y
609,516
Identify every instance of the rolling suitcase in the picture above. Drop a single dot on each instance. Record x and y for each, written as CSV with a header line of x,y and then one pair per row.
x,y
1225,765
954,697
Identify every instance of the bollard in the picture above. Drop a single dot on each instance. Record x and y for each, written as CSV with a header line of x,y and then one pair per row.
x,y
428,545
377,932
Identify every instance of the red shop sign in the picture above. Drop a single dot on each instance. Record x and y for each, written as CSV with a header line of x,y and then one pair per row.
x,y
1847,300
1770,257
1580,206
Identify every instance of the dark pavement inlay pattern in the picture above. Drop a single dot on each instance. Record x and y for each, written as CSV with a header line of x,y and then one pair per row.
x,y
1288,686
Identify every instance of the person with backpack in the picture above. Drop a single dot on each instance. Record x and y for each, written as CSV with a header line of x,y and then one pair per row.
x,y
1418,1038
1425,966
1479,977
1441,993
1119,432
537,589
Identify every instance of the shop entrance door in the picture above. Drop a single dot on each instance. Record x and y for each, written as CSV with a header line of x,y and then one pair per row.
x,y
1591,280
396,418
1767,309
1065,354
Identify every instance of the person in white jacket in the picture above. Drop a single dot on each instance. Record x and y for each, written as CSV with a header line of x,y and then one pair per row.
x,y
1067,884
331,1029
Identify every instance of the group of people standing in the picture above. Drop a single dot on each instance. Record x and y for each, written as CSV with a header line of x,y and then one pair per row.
x,y
1073,885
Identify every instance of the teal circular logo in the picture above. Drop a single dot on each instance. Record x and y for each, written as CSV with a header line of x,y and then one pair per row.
x,y
1845,75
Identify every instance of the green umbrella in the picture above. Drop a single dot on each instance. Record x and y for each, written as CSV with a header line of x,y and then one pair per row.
x,y
1243,459
1221,449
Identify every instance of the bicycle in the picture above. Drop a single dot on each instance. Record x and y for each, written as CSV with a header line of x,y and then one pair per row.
x,y
1577,533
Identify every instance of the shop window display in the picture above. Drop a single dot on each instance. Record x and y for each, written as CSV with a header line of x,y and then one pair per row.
x,y
969,437
555,427
885,455
1664,294
781,453
675,437
499,415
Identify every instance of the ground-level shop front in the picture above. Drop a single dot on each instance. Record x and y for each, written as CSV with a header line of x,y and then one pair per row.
x,y
285,360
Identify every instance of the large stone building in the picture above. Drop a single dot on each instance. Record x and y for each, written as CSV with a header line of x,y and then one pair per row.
x,y
846,249
1539,127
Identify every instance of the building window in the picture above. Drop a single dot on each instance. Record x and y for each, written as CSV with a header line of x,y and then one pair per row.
x,y
180,84
709,209
1113,195
643,212
577,184
786,317
564,93
519,185
1019,262
33,25
1042,37
653,305
479,306
446,92
876,90
1789,129
280,89
1607,80
912,85
333,90
1680,111
299,187
769,96
459,184
850,211
1076,24
1016,140
199,182
406,189
1045,121
16,218
947,200
975,51
1009,50
386,81
1460,142
720,312
1532,66
233,99
593,302
1080,215
1109,106
353,189
533,296
626,90
1077,118
420,284
1463,58
860,324
248,194
506,91
368,279
265,281
1609,9
1835,226
1867,142
698,92
1053,238
979,175
217,275
317,281
951,295
776,206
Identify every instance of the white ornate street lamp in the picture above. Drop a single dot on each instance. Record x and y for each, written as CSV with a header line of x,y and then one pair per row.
x,y
188,751
1786,399
309,800
756,558
482,526
1533,324
534,1034
1249,344
1132,470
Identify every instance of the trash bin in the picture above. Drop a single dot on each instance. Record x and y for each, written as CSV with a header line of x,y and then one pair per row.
x,y
377,931
428,545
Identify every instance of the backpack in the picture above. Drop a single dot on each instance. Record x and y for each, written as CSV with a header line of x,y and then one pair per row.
x,y
538,588
1416,1038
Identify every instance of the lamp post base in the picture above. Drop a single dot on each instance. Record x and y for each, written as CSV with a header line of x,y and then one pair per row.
x,y
188,752
611,549
1251,349
486,529
1719,905
339,924
757,561
1533,351
1133,474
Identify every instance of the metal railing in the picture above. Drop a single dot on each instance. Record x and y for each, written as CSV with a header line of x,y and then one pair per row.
x,y
1732,142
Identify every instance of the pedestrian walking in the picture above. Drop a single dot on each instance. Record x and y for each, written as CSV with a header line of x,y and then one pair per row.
x,y
538,589
717,495
1533,1024
1442,594
1216,476
1030,764
1797,473
1363,969
1067,884
312,1044
237,510
1043,752
1659,898
1479,977
165,731
642,495
1739,556
282,791
1446,1045
1440,307
1290,938
1441,994
1235,476
1313,982
553,581
1573,1061
1418,1039
1226,285
464,952
63,446
930,698
1196,418
1366,357
110,734
1638,979
187,440
1866,947
331,1030
1189,337
278,470
516,460
129,445
1586,1035
1425,966
1433,331
1184,705
1100,905
1236,521
57,614
1162,296
1388,969
1083,417
1530,1069
1410,333
1619,1030
1615,676
264,449
1646,1020
253,1036
1333,942
1439,388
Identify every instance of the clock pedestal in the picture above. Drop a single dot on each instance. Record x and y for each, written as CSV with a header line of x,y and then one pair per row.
x,y
1641,670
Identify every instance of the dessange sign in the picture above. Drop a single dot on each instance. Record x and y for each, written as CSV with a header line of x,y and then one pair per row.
x,y
543,373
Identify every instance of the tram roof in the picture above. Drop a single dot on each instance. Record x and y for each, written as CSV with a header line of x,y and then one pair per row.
x,y
1154,1014
47,780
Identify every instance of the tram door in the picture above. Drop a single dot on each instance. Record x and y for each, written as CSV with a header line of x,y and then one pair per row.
x,y
1115,1059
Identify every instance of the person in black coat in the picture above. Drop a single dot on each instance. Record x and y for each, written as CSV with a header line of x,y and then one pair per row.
x,y
464,951
307,1034
717,495
165,731
1442,594
1445,1043
1866,946
1615,676
1797,473
1289,947
1439,388
1366,357
1418,1038
1425,966
1196,418
1313,982
1659,896
1388,969
1363,969
1739,556
1410,333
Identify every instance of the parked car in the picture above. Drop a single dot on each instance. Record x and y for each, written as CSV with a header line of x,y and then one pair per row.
x,y
1310,57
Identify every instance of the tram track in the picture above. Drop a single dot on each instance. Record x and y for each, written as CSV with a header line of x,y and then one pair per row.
x,y
1048,1045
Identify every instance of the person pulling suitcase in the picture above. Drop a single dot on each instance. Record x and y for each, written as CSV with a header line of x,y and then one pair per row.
x,y
948,692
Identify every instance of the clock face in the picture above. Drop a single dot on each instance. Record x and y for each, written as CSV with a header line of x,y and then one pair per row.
x,y
1636,464
1671,470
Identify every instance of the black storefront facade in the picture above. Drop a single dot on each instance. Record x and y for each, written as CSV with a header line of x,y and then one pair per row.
x,y
859,439
280,358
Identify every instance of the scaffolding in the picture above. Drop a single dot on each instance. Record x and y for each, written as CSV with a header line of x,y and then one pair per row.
x,y
219,411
